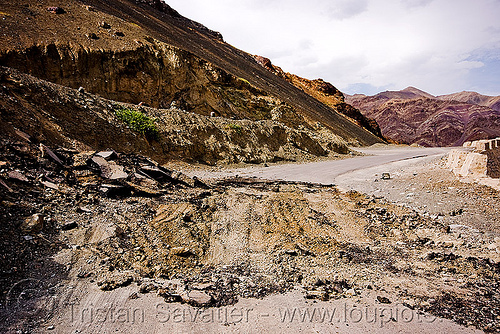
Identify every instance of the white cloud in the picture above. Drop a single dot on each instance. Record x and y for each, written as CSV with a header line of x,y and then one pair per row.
x,y
362,43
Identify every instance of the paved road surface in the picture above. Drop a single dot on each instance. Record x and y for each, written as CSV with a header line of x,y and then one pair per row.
x,y
326,172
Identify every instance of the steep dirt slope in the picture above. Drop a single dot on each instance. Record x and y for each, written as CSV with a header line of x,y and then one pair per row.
x,y
412,116
54,114
133,52
326,93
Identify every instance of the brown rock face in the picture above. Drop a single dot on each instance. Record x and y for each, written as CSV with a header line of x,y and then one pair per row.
x,y
149,53
57,115
412,116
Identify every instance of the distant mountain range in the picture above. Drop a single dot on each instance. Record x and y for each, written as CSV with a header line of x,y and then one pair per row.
x,y
413,116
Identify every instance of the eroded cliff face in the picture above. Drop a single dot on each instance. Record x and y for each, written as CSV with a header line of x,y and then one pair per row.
x,y
210,101
154,73
58,115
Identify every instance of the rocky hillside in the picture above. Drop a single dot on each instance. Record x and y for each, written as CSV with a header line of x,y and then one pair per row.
x,y
413,116
144,51
53,114
474,98
325,92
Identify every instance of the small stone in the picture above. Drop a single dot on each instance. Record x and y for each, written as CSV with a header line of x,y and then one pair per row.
x,y
51,154
291,252
6,186
51,328
147,287
112,190
105,25
144,188
181,251
50,185
83,209
319,282
69,226
116,281
56,10
83,274
410,303
202,286
314,294
108,155
386,176
81,90
33,224
17,176
383,300
81,159
182,178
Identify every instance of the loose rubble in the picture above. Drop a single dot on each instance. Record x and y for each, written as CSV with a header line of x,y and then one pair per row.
x,y
122,220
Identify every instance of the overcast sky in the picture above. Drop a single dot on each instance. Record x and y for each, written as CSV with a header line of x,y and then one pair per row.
x,y
366,46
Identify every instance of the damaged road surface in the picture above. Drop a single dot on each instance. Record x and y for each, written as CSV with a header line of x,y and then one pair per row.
x,y
116,242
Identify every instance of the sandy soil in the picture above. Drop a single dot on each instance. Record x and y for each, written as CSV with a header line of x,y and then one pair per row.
x,y
110,312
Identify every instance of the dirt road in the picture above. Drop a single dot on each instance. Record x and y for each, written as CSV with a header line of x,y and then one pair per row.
x,y
404,255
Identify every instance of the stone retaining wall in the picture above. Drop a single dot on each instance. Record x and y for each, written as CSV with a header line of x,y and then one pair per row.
x,y
477,161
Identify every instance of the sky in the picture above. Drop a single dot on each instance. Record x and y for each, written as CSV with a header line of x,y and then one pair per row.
x,y
366,46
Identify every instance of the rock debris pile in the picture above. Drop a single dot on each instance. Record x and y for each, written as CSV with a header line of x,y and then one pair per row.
x,y
119,220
